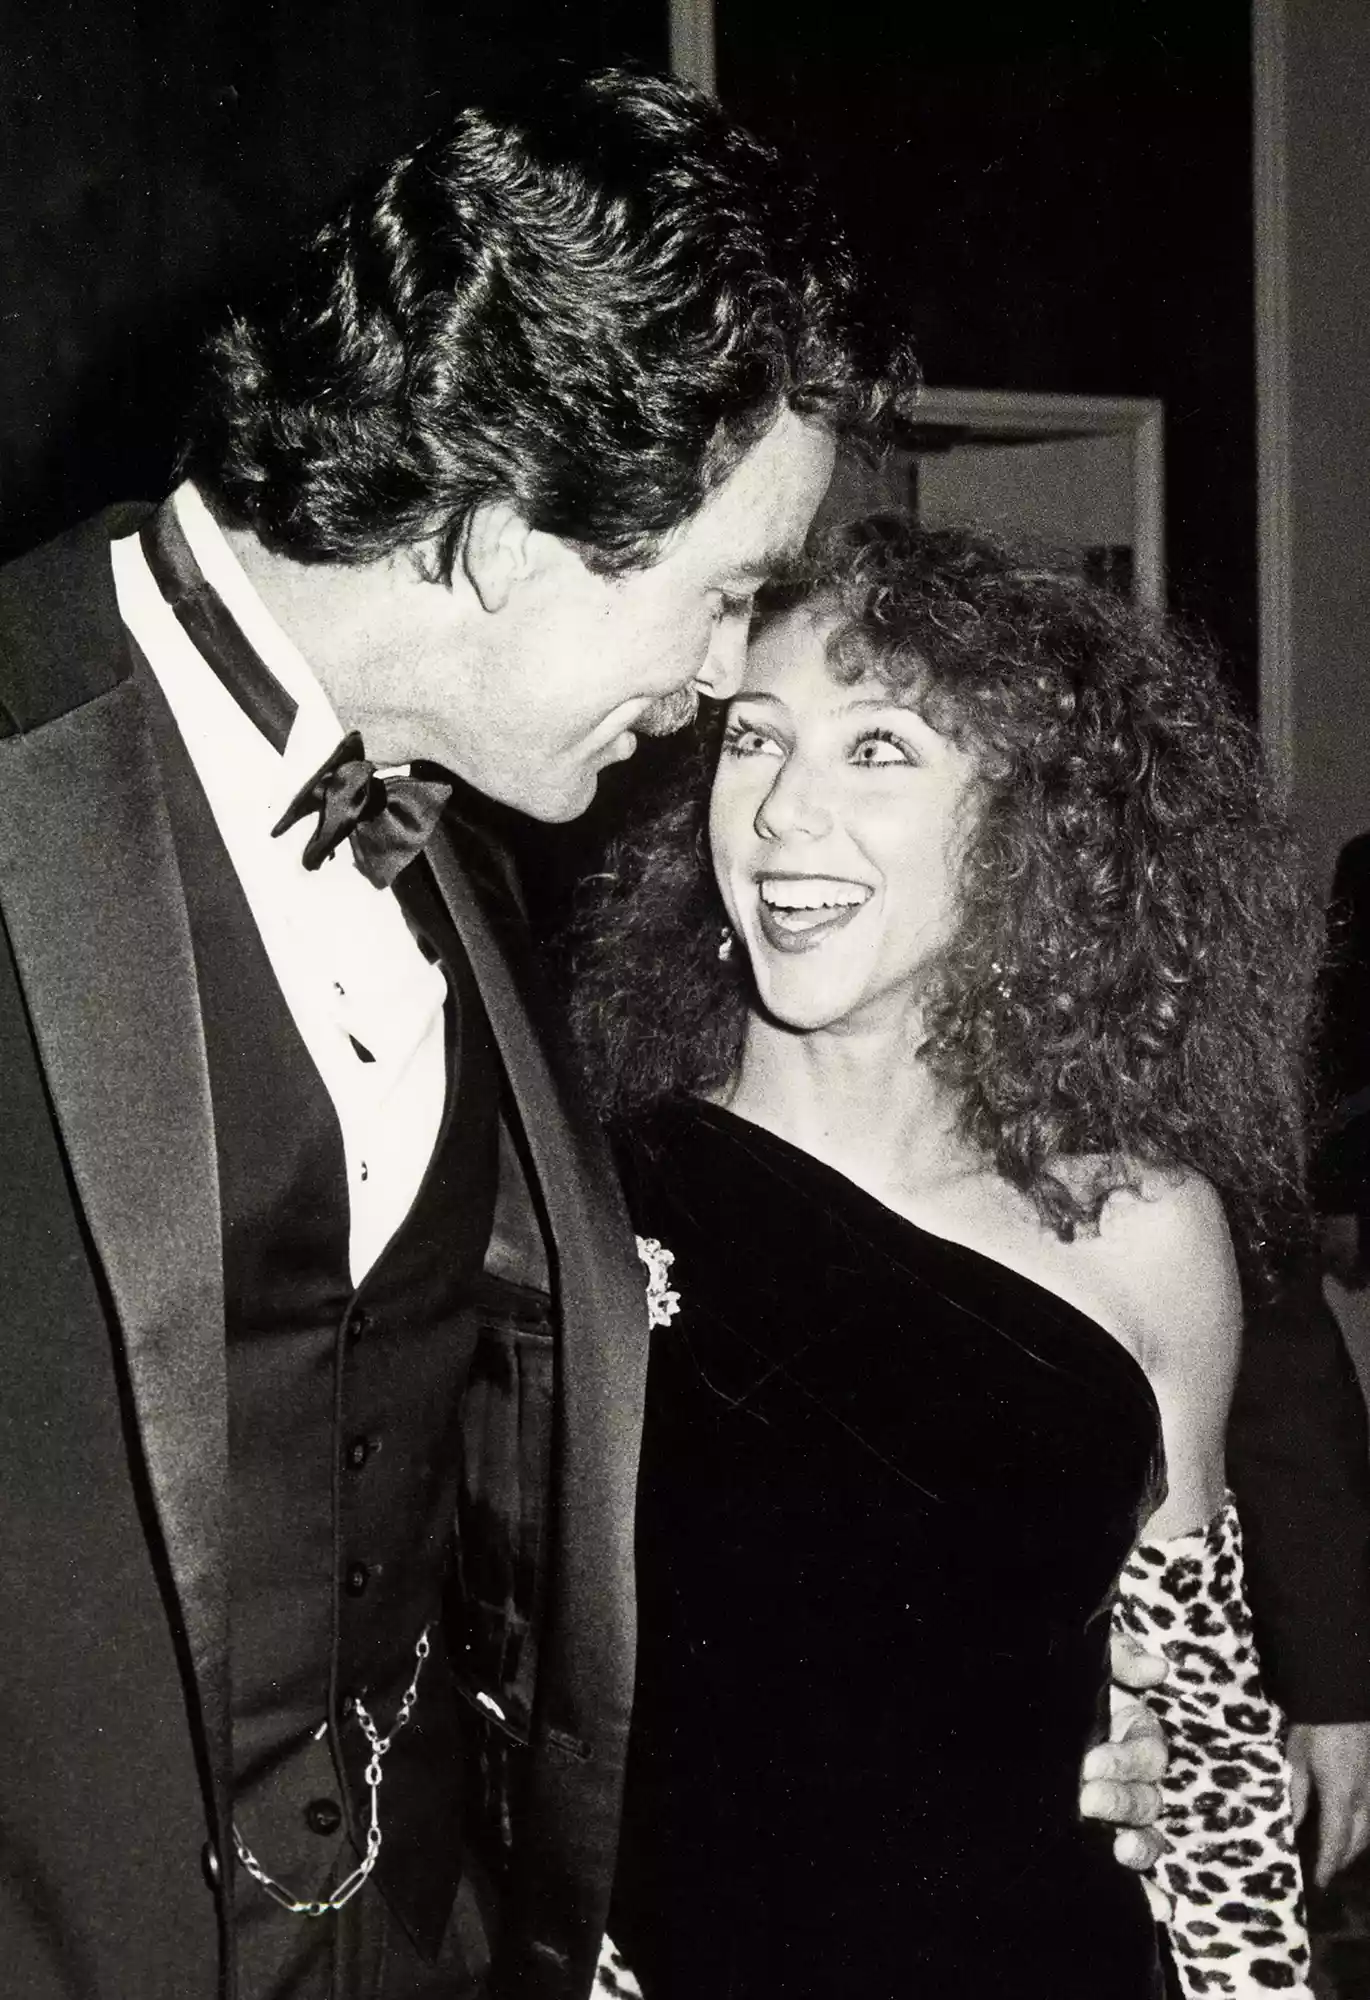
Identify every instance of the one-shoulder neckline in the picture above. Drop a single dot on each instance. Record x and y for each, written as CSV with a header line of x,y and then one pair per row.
x,y
735,1124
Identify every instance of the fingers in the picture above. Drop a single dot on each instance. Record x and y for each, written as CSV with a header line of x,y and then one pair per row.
x,y
1300,1792
1336,1838
1137,1751
1133,1722
1138,1847
1360,1835
1132,1806
1343,1832
1300,1778
1134,1669
1121,1777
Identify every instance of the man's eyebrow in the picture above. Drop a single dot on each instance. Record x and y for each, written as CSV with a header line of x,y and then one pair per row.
x,y
785,564
777,565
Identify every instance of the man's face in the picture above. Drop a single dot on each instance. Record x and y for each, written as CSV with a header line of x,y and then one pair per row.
x,y
571,667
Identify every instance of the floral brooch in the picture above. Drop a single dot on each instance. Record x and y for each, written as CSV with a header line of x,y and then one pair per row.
x,y
662,1303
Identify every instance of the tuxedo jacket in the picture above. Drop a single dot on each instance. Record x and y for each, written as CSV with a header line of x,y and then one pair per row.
x,y
1298,1455
115,1804
1341,1166
1298,1463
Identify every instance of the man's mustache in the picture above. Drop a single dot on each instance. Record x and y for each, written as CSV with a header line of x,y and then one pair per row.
x,y
664,718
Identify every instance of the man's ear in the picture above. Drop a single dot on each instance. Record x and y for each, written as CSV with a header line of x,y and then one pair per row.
x,y
497,552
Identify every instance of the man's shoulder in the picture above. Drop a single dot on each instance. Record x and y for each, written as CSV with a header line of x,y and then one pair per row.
x,y
61,640
1351,890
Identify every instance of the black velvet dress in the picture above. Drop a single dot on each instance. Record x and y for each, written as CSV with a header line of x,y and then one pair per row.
x,y
886,1488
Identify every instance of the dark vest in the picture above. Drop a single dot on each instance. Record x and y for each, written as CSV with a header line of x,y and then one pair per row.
x,y
344,1411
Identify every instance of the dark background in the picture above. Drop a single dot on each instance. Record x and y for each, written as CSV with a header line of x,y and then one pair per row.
x,y
1058,197
155,155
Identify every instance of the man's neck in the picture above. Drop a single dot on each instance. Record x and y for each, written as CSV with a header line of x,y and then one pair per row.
x,y
319,606
387,642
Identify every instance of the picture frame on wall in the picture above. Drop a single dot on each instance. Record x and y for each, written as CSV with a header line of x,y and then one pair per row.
x,y
1079,473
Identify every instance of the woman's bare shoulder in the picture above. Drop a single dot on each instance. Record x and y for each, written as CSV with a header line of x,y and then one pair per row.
x,y
1158,1202
1167,1249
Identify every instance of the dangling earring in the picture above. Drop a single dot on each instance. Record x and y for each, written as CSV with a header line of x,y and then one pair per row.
x,y
726,941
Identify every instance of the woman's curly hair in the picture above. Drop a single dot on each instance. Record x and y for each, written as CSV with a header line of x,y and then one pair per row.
x,y
1129,981
589,300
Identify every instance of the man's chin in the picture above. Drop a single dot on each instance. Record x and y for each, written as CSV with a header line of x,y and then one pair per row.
x,y
560,809
557,797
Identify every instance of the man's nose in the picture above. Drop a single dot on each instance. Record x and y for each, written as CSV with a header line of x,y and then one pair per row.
x,y
721,675
796,804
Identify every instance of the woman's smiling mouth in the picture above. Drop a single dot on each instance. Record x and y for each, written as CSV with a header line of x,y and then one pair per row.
x,y
798,912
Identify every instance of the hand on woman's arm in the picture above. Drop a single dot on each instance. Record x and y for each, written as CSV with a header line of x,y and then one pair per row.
x,y
1119,1779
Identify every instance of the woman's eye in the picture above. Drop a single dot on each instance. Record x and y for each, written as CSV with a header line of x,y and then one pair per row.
x,y
881,746
731,605
740,741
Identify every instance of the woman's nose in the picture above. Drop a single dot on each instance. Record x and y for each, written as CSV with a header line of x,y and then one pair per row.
x,y
796,804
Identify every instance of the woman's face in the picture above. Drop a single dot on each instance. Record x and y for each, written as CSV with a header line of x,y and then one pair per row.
x,y
838,821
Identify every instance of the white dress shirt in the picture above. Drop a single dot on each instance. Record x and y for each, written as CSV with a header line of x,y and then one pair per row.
x,y
343,955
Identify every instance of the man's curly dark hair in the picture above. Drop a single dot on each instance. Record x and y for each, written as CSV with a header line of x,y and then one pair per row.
x,y
589,303
1128,982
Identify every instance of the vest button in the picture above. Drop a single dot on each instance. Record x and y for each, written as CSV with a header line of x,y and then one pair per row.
x,y
209,1863
323,1816
361,1325
356,1579
358,1450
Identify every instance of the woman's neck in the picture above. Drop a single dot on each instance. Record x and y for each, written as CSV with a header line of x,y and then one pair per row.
x,y
861,1100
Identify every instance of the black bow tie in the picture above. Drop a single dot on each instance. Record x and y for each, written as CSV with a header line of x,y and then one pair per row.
x,y
387,820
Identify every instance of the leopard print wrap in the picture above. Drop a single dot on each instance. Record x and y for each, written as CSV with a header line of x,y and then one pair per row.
x,y
613,1980
1229,1870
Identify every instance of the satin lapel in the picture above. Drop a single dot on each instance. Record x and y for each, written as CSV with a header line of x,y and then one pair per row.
x,y
92,898
587,1652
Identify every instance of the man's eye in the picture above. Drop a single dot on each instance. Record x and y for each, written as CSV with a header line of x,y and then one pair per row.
x,y
741,741
882,746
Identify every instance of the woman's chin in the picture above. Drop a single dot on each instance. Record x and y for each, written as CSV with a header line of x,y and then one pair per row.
x,y
802,1013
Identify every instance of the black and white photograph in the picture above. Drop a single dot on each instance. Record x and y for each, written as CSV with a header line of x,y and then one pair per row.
x,y
684,1000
